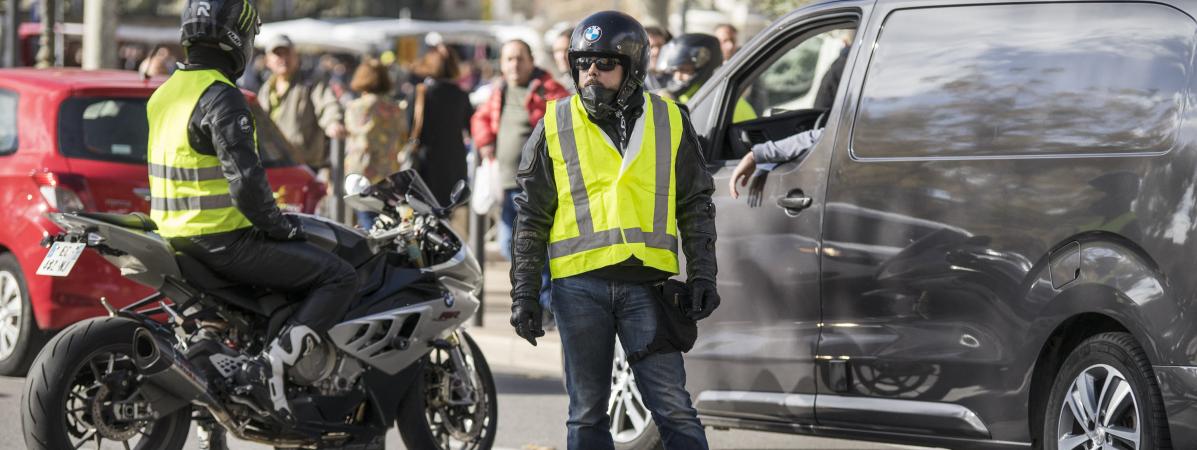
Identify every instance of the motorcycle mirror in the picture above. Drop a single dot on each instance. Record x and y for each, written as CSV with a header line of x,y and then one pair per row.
x,y
355,184
460,194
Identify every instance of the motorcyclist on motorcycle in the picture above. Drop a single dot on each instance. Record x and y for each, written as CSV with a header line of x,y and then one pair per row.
x,y
210,195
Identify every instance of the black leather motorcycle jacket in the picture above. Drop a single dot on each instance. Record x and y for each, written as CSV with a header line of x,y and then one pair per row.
x,y
222,125
537,205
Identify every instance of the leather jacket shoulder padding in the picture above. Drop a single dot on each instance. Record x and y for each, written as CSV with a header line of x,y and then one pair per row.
x,y
222,125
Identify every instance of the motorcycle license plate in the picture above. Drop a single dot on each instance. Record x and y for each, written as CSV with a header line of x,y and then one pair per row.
x,y
61,259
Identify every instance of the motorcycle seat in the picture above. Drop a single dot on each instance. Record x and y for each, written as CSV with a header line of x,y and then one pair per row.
x,y
137,220
246,296
199,275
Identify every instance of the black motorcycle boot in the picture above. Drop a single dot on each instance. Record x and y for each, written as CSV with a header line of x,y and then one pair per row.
x,y
264,375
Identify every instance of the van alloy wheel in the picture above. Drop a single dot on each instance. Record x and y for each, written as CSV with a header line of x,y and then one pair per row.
x,y
12,312
1100,412
630,418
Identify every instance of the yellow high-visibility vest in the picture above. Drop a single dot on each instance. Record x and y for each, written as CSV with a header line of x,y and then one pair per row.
x,y
189,195
610,206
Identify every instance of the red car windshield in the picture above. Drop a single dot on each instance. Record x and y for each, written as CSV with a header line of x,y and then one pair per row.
x,y
116,129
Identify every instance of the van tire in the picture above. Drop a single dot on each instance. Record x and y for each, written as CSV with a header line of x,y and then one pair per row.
x,y
22,346
1107,356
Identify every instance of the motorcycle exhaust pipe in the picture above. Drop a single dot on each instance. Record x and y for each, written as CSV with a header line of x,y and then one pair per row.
x,y
162,366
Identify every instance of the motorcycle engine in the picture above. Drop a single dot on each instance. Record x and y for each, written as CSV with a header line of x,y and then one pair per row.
x,y
317,364
326,371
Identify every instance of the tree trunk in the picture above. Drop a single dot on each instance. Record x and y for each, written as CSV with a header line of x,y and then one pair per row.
x,y
99,31
12,21
658,11
45,54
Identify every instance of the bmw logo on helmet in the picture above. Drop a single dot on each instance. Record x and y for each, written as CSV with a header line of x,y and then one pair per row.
x,y
592,33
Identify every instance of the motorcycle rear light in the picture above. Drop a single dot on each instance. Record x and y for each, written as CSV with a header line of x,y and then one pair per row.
x,y
63,192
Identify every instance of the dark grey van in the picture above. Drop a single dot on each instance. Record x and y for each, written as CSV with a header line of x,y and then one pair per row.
x,y
1000,245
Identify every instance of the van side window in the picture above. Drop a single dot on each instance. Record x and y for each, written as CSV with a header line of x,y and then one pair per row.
x,y
788,83
1025,79
790,91
8,122
792,81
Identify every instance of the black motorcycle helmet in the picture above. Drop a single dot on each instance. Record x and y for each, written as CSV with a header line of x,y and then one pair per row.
x,y
230,25
696,51
610,34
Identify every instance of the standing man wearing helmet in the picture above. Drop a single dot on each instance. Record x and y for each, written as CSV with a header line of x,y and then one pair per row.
x,y
611,178
689,61
210,196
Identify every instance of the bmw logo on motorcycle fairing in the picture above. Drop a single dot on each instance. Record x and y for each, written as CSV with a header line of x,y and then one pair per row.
x,y
449,300
592,33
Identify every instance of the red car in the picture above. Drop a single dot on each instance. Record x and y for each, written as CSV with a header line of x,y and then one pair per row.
x,y
76,140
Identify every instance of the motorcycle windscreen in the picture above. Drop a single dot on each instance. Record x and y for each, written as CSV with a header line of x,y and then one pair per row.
x,y
408,182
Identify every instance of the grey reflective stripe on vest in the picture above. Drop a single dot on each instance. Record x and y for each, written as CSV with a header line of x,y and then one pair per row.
x,y
192,203
588,239
573,166
659,238
654,240
579,244
181,174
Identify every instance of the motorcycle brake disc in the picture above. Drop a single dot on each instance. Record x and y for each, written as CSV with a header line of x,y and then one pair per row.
x,y
101,416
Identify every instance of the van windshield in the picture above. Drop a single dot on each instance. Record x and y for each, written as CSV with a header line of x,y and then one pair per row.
x,y
116,130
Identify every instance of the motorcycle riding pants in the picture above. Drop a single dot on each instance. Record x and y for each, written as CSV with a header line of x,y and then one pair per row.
x,y
327,282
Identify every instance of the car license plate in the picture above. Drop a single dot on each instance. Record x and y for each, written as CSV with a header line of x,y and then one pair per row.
x,y
61,259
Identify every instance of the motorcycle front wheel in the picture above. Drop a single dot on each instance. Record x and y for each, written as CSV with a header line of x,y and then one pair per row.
x,y
82,391
436,413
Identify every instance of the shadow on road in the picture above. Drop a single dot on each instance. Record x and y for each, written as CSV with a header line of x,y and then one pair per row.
x,y
515,384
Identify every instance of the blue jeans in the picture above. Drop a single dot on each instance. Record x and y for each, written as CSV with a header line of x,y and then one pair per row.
x,y
506,229
507,222
590,312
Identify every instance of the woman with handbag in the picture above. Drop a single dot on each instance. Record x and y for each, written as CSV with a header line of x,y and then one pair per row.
x,y
440,122
376,129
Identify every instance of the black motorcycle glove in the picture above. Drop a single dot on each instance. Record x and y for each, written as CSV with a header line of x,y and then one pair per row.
x,y
293,231
704,298
526,315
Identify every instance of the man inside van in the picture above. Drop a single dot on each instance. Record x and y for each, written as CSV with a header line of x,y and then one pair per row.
x,y
795,146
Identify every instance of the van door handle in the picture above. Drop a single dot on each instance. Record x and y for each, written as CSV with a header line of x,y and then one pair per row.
x,y
794,202
143,193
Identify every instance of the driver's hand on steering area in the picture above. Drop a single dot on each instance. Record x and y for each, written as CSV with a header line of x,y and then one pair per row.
x,y
743,172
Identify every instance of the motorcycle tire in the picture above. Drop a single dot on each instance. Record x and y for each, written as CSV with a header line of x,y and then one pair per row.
x,y
45,418
413,423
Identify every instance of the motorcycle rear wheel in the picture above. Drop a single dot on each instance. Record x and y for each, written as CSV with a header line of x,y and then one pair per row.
x,y
63,392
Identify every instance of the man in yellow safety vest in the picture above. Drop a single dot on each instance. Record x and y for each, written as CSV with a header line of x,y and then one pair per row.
x,y
611,178
211,199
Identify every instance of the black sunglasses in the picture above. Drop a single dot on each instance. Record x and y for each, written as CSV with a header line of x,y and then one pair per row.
x,y
604,64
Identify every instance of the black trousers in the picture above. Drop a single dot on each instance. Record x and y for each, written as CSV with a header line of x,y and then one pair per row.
x,y
328,282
